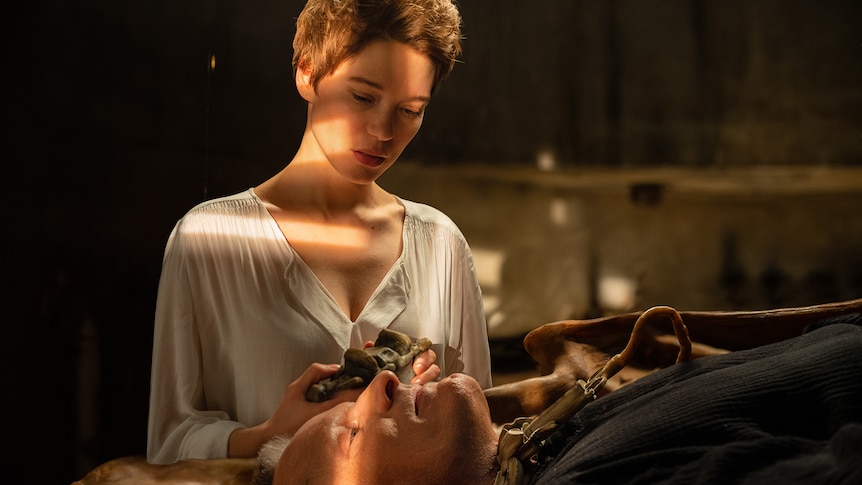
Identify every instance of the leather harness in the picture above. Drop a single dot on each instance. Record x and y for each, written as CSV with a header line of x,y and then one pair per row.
x,y
522,440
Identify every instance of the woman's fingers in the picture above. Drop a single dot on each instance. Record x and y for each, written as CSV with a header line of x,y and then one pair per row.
x,y
423,361
313,374
429,375
425,368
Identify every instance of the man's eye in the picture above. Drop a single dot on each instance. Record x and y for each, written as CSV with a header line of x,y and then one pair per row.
x,y
353,433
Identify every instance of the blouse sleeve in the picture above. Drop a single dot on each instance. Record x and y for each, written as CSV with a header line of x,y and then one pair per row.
x,y
179,427
474,355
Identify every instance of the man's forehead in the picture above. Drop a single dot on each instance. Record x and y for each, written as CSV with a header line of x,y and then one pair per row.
x,y
313,447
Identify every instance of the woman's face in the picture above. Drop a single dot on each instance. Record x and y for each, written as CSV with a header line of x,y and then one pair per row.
x,y
364,114
394,433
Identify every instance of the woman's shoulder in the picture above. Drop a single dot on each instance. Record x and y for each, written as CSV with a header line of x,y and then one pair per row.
x,y
426,214
427,223
226,204
222,213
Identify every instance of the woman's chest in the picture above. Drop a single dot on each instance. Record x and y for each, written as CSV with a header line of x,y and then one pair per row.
x,y
350,262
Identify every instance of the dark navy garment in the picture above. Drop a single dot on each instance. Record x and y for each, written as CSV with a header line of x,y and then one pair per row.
x,y
789,412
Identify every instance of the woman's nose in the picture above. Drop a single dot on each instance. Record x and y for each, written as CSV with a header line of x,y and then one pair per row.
x,y
380,126
377,397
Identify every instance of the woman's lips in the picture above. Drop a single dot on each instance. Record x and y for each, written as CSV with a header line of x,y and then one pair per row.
x,y
369,159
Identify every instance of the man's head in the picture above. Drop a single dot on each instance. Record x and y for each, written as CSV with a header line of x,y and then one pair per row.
x,y
437,433
329,32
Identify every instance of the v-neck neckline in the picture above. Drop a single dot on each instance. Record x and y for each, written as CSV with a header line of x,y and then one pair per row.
x,y
386,302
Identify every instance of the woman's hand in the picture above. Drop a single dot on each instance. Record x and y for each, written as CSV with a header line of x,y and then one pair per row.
x,y
293,411
425,368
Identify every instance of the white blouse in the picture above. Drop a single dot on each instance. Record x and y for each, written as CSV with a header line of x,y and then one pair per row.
x,y
239,316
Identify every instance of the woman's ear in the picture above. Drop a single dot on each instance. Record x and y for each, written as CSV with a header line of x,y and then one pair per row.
x,y
303,81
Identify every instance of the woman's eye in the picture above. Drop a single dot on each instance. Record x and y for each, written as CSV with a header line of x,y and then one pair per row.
x,y
360,99
413,113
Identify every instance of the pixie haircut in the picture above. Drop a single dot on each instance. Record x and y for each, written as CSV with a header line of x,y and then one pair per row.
x,y
328,32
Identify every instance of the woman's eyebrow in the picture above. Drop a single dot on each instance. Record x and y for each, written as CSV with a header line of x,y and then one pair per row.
x,y
366,81
379,87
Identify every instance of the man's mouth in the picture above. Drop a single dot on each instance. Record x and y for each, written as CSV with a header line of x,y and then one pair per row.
x,y
416,398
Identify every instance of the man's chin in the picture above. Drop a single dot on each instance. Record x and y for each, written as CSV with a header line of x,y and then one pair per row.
x,y
463,381
463,388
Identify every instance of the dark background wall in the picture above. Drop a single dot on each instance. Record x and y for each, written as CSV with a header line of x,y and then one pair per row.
x,y
114,125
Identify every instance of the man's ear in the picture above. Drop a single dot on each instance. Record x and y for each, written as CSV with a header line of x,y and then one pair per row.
x,y
303,81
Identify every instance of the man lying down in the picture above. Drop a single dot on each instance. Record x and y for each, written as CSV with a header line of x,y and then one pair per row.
x,y
787,412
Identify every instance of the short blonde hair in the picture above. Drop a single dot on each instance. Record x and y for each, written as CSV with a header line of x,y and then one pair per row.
x,y
328,32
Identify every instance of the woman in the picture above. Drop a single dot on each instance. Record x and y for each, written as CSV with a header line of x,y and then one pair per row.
x,y
258,286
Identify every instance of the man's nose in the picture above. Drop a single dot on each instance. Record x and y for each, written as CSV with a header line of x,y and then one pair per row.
x,y
377,397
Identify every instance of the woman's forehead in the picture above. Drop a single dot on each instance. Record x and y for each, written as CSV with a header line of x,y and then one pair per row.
x,y
387,61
